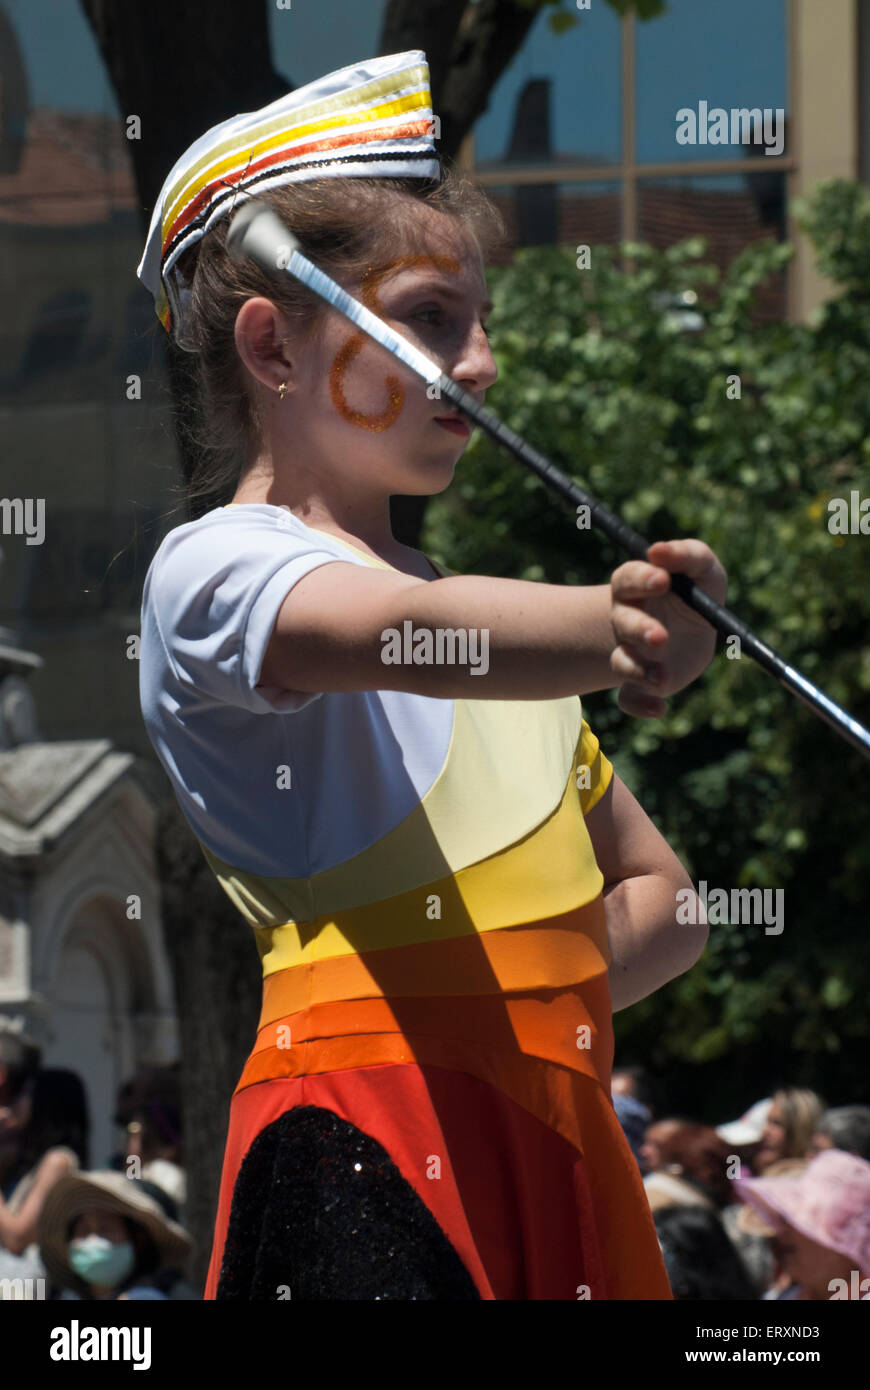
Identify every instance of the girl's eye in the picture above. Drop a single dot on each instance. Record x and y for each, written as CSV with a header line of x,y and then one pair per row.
x,y
437,316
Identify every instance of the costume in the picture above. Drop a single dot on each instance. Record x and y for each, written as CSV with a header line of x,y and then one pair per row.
x,y
426,1111
434,1053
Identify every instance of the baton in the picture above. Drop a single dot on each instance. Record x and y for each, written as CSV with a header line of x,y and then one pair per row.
x,y
258,232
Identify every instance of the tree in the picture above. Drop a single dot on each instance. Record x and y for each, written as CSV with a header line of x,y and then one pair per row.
x,y
745,434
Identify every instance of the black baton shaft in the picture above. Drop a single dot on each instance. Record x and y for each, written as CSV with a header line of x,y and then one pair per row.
x,y
637,545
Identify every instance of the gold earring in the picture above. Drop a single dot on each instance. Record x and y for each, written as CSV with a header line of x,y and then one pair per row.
x,y
282,390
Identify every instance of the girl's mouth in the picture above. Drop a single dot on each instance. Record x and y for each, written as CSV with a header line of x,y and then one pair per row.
x,y
454,425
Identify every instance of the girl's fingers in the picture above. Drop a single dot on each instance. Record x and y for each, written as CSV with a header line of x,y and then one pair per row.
x,y
637,702
693,558
630,666
638,628
636,580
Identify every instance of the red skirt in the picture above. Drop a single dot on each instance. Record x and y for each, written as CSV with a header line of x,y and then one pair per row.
x,y
472,1136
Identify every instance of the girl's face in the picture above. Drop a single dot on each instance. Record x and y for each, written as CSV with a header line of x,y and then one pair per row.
x,y
356,420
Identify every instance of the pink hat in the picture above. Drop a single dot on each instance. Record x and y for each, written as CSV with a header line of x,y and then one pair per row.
x,y
829,1202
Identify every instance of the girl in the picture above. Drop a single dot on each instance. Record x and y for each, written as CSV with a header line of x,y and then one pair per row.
x,y
449,888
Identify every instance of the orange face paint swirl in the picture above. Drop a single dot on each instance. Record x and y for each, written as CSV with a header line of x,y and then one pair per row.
x,y
353,345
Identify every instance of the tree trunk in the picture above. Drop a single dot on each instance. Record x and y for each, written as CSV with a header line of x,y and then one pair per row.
x,y
467,48
218,986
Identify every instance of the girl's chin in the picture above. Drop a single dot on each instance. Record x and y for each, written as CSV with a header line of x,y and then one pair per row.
x,y
422,484
425,469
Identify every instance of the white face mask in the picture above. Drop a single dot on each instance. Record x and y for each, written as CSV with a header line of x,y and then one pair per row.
x,y
98,1261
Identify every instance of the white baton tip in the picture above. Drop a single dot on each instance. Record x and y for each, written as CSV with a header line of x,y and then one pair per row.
x,y
258,232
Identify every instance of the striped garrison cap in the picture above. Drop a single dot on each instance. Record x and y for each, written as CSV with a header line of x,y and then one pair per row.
x,y
372,119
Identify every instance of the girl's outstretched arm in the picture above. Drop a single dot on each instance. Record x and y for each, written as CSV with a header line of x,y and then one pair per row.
x,y
642,877
542,641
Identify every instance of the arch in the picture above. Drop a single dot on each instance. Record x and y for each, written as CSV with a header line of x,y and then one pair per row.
x,y
96,983
103,905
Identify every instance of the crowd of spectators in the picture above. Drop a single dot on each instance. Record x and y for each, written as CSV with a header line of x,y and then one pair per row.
x,y
72,1231
773,1205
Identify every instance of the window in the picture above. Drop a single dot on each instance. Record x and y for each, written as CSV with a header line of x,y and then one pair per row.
x,y
581,140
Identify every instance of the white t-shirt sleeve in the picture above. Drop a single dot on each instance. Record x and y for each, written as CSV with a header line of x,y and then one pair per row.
x,y
214,597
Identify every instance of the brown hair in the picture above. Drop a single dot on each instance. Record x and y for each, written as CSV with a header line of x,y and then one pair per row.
x,y
342,224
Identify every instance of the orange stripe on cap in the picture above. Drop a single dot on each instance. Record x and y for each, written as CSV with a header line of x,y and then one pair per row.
x,y
386,97
248,172
357,107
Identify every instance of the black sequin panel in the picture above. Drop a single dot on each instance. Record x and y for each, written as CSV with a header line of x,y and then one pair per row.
x,y
320,1211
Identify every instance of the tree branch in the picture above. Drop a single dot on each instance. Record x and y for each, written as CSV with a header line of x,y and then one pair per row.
x,y
428,24
182,68
468,48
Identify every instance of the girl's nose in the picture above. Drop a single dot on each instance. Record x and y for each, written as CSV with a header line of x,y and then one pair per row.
x,y
476,369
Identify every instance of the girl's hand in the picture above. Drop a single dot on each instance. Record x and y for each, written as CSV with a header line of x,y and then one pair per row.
x,y
661,644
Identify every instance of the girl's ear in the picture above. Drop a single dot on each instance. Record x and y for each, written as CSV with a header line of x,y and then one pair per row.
x,y
262,342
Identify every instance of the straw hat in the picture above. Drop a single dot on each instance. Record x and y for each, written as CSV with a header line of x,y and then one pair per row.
x,y
104,1191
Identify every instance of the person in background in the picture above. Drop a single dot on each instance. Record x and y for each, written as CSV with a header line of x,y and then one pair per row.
x,y
106,1236
755,1240
657,1139
49,1121
19,1063
632,1093
847,1128
687,1165
635,1120
743,1137
637,1083
702,1263
821,1223
791,1124
149,1107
